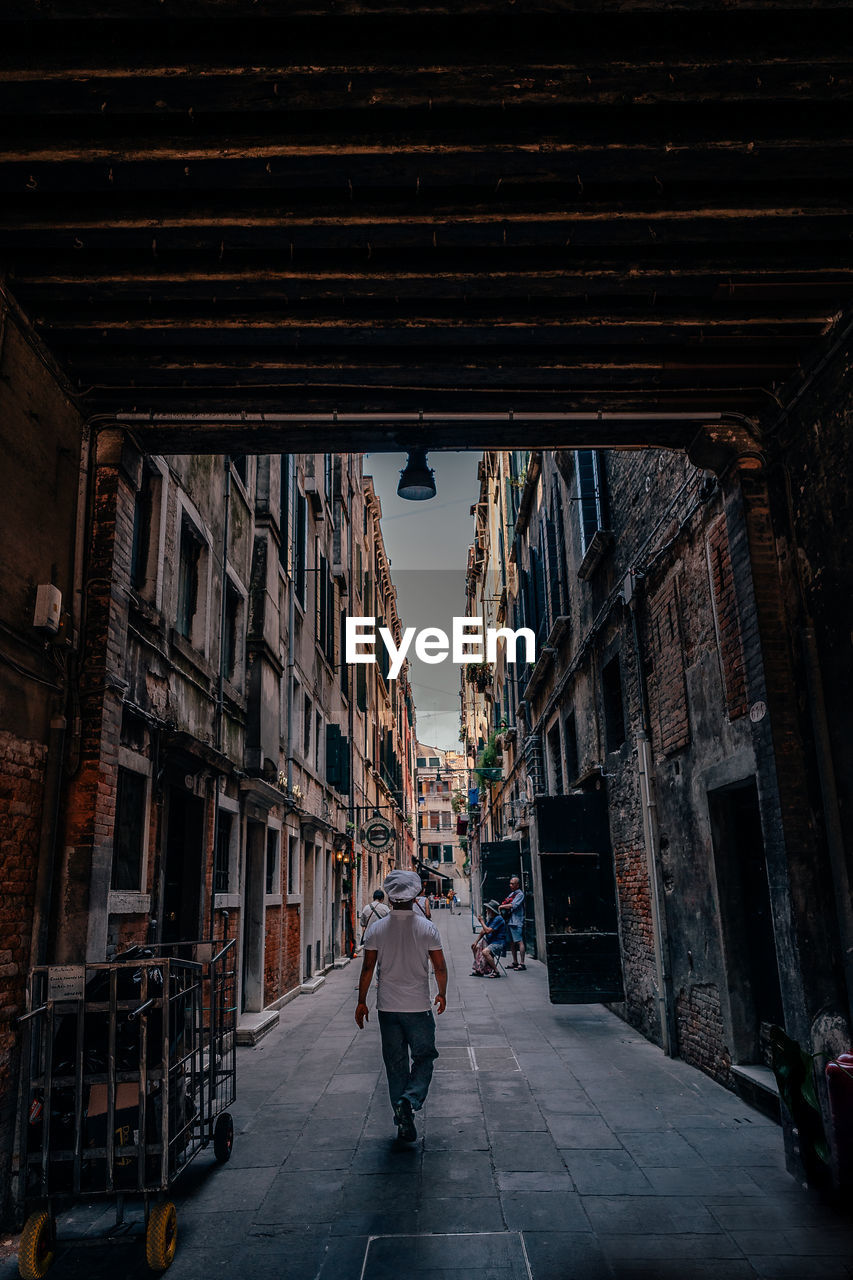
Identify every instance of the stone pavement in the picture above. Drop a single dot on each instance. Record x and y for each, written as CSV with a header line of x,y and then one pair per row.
x,y
556,1143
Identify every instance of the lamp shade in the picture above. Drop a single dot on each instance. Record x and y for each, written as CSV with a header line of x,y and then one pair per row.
x,y
417,482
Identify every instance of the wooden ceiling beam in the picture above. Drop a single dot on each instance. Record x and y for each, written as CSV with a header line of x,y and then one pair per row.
x,y
176,92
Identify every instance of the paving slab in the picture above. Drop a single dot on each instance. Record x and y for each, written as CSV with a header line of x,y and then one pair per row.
x,y
556,1144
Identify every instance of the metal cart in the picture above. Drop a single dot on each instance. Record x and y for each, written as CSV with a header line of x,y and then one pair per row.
x,y
127,1070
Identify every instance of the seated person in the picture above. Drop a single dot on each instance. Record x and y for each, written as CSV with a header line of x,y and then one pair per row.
x,y
490,944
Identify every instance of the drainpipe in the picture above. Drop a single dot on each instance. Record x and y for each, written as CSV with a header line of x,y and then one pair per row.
x,y
663,976
220,684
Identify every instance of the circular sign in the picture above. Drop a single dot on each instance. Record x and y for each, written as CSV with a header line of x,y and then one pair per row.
x,y
378,834
757,711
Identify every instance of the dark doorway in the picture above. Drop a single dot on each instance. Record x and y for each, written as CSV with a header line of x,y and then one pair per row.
x,y
746,920
579,899
182,878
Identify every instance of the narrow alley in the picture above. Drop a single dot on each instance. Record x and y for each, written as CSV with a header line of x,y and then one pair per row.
x,y
556,1142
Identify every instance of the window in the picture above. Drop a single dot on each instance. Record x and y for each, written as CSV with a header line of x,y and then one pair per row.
x,y
144,532
556,756
293,865
231,637
445,821
570,736
328,459
188,578
284,512
326,609
318,733
273,878
300,567
421,762
448,852
588,474
434,820
129,832
306,727
361,686
434,762
222,866
614,713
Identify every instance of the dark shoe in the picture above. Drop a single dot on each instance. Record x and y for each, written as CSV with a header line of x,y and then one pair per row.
x,y
515,966
520,966
406,1130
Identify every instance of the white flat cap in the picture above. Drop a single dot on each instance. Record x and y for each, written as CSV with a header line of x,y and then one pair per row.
x,y
402,886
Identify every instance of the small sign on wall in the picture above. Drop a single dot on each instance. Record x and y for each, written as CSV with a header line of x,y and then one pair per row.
x,y
66,982
757,711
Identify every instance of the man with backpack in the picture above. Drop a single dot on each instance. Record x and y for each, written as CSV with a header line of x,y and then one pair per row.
x,y
375,910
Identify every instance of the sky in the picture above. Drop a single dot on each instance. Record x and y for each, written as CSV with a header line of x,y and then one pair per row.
x,y
427,543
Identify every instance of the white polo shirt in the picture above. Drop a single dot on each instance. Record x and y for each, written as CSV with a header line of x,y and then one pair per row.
x,y
403,941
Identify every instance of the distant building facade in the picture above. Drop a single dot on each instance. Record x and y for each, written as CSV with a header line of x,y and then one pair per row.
x,y
442,790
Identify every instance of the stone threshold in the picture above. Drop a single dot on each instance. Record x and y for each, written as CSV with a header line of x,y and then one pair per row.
x,y
253,1026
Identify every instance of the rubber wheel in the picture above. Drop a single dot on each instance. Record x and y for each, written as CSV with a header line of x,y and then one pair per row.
x,y
223,1138
36,1251
161,1236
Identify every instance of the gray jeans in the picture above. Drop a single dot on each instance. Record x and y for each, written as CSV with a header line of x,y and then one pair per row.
x,y
402,1034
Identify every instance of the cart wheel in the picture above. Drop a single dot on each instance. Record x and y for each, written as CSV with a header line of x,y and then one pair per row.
x,y
161,1236
35,1254
223,1137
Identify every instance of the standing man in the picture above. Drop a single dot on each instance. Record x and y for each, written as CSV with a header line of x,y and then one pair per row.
x,y
515,902
401,948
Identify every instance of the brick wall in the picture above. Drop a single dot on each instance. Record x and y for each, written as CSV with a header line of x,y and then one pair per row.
x,y
632,887
701,1036
21,787
291,949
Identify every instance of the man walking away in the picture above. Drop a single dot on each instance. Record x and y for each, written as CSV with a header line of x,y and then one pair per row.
x,y
515,902
401,947
374,910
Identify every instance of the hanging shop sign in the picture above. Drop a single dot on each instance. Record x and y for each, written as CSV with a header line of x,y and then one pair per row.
x,y
377,834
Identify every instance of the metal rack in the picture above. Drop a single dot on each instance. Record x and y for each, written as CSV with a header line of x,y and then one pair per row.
x,y
128,1068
